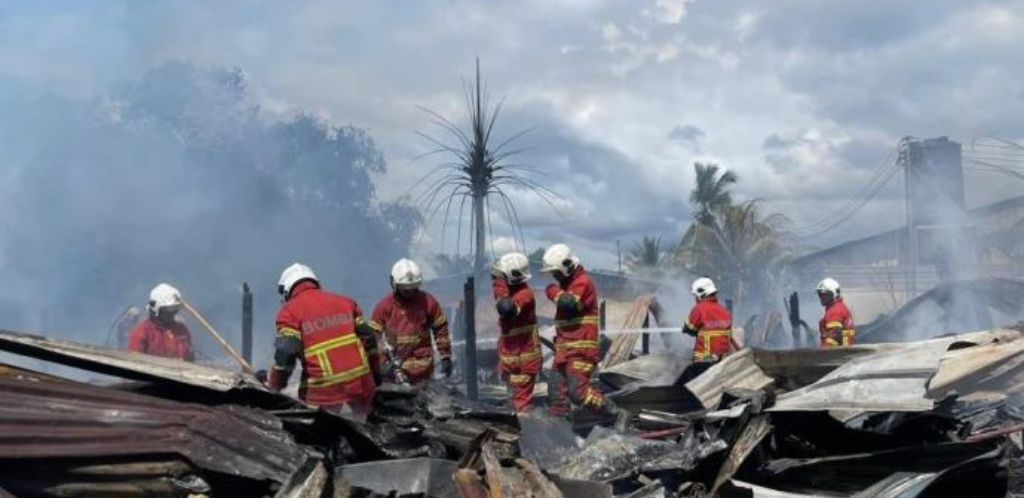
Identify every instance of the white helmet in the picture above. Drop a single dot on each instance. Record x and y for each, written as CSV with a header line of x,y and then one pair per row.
x,y
406,274
514,266
559,258
163,296
292,275
828,285
703,287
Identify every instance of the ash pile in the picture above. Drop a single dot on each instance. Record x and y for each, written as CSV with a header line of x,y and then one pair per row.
x,y
935,418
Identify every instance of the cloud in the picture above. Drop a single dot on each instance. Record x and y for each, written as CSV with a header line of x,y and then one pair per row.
x,y
671,11
688,135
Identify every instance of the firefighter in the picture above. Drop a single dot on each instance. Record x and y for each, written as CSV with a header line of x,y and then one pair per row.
x,y
709,323
162,334
406,318
576,342
519,355
836,325
327,334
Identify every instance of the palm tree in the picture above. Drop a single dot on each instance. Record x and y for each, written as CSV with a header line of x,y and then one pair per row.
x,y
646,256
711,191
744,250
480,173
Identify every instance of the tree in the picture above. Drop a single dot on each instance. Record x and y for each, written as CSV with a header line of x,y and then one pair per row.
x,y
480,173
711,190
536,259
744,250
646,256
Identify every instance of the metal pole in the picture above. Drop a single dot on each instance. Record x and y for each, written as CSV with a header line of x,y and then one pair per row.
x,y
469,312
645,340
910,263
246,323
602,323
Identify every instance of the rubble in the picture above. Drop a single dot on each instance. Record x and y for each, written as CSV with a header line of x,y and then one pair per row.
x,y
927,419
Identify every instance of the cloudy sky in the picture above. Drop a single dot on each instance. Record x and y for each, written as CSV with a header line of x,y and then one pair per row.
x,y
802,98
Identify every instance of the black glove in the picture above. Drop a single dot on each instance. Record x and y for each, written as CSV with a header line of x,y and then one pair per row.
x,y
689,331
506,308
261,376
568,303
446,367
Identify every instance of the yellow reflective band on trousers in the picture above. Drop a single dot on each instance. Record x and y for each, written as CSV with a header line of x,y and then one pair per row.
x,y
519,379
580,344
414,363
583,366
515,359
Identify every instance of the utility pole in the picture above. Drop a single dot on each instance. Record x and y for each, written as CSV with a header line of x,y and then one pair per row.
x,y
911,250
246,323
618,250
469,317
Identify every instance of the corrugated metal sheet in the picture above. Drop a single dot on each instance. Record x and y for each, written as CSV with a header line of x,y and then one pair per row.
x,y
43,418
125,364
735,371
890,380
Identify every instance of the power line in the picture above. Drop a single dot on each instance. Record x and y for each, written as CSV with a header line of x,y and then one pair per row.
x,y
883,173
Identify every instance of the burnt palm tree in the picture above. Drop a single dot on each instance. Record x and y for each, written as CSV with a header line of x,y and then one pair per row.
x,y
480,172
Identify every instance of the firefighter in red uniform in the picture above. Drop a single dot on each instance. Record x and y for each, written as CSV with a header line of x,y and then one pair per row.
x,y
161,334
709,322
836,326
327,334
576,343
519,355
406,318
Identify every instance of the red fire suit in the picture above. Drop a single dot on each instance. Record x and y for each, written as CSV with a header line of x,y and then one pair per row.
x,y
407,325
836,326
152,336
320,328
519,355
712,324
576,346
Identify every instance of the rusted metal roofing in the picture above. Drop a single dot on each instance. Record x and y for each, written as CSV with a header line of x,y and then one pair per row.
x,y
44,419
126,364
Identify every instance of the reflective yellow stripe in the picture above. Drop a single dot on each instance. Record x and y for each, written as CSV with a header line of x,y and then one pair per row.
x,y
439,321
512,359
348,375
289,332
406,340
582,344
715,333
583,366
525,329
519,378
375,326
577,321
323,347
416,363
833,325
847,332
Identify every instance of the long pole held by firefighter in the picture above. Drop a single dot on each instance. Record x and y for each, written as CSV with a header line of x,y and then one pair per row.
x,y
209,328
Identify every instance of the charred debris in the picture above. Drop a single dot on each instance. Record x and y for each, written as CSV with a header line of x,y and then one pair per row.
x,y
935,418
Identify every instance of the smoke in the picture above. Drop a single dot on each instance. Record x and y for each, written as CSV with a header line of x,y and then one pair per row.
x,y
179,177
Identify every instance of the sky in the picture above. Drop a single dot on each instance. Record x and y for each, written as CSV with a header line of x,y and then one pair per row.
x,y
803,99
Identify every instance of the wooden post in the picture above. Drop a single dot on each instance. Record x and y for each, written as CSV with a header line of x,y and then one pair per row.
x,y
246,323
469,313
602,322
216,335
